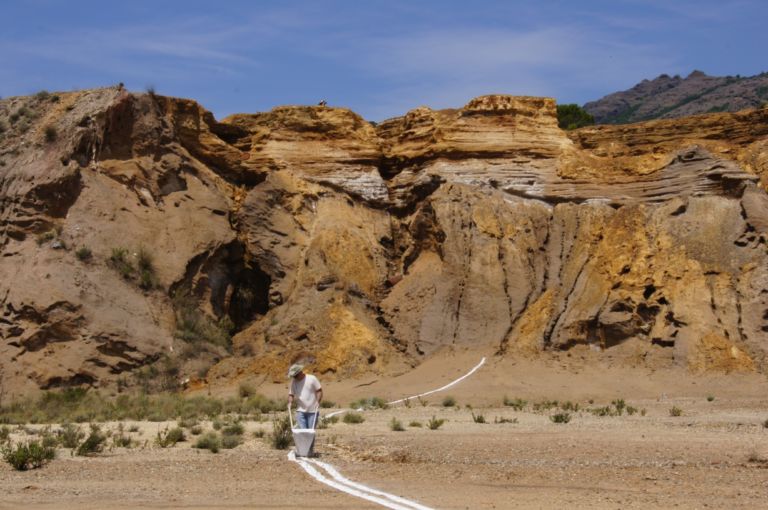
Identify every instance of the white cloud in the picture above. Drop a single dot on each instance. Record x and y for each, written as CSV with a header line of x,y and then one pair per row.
x,y
126,50
443,68
403,63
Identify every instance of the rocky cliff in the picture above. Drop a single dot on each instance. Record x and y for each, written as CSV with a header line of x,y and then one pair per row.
x,y
670,97
142,237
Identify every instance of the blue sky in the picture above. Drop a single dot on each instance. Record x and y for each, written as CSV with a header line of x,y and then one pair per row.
x,y
380,58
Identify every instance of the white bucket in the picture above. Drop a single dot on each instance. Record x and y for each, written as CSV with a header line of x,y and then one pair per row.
x,y
303,439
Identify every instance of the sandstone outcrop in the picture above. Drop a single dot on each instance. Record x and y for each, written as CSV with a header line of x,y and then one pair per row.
x,y
138,231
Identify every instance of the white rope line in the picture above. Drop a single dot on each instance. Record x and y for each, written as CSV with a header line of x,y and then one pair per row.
x,y
359,490
457,381
442,388
345,488
338,476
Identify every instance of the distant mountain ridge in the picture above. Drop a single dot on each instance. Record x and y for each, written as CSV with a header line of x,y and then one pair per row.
x,y
667,97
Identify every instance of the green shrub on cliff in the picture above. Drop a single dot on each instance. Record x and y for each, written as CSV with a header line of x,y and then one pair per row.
x,y
573,116
193,325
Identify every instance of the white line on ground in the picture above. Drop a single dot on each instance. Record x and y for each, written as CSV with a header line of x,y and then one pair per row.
x,y
359,490
442,388
352,491
457,381
338,476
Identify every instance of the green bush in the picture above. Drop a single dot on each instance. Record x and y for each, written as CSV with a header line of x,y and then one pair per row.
x,y
560,418
229,442
395,425
5,433
260,404
51,133
504,420
281,437
675,411
710,398
235,429
119,261
70,435
209,441
573,116
258,434
517,404
29,455
166,437
327,404
144,259
196,430
478,418
327,422
193,326
620,405
246,390
602,411
369,403
545,405
120,440
353,418
147,278
50,235
188,423
449,402
83,253
49,440
415,423
80,405
570,406
435,423
94,443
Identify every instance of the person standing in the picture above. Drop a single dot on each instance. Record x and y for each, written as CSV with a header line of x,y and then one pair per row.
x,y
306,390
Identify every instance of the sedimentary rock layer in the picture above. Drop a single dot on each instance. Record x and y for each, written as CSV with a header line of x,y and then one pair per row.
x,y
137,231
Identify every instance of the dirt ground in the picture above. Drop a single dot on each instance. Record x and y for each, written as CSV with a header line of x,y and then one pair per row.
x,y
713,456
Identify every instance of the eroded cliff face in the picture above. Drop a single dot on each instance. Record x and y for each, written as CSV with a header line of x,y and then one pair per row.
x,y
309,233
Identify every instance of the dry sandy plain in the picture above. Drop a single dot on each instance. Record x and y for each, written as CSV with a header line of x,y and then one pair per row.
x,y
713,456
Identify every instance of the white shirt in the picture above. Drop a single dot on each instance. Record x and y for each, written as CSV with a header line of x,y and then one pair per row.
x,y
305,393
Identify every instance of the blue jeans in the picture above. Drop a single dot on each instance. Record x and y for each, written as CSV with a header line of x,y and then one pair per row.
x,y
305,420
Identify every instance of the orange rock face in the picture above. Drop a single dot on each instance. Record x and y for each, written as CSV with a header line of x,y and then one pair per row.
x,y
140,236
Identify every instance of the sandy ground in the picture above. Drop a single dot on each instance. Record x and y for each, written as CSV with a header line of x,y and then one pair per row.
x,y
713,456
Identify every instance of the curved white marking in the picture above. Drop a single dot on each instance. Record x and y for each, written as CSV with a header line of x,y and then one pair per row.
x,y
352,491
442,388
457,381
338,476
359,490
